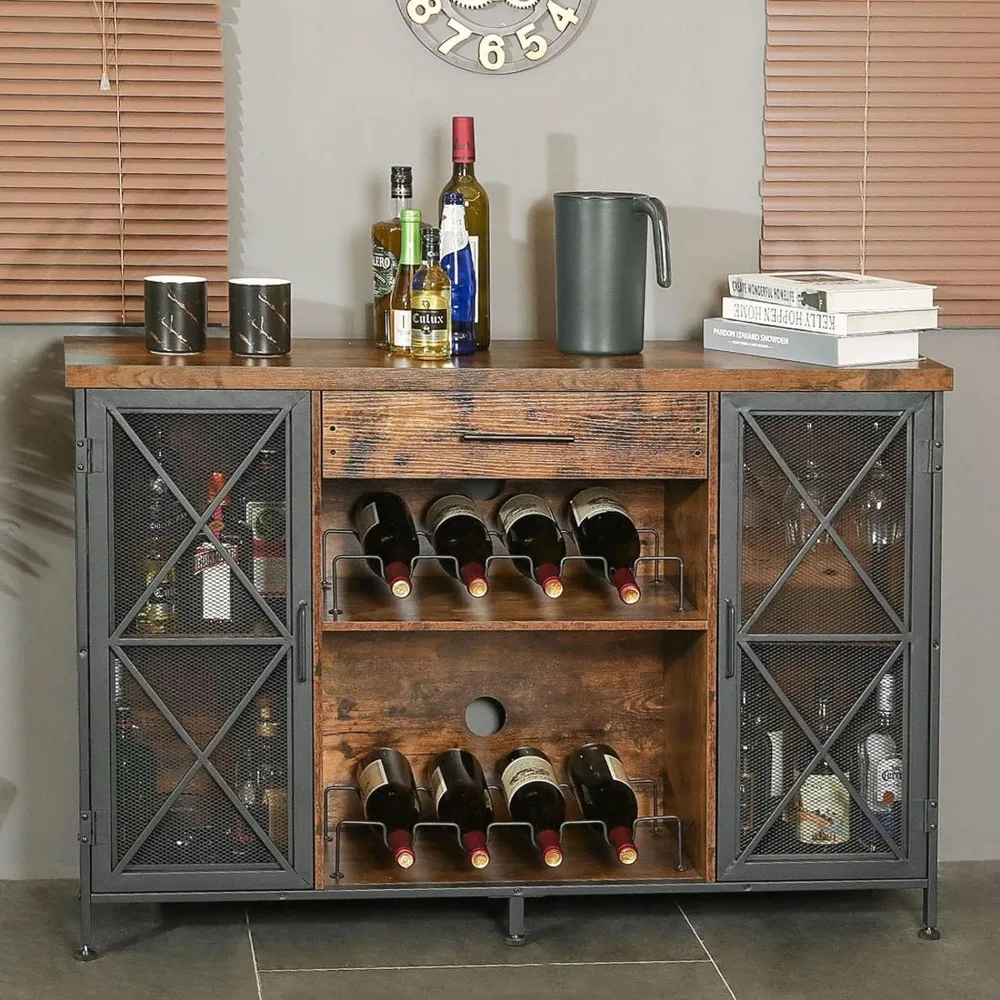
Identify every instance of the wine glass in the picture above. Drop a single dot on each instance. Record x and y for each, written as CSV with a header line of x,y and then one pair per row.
x,y
877,528
800,521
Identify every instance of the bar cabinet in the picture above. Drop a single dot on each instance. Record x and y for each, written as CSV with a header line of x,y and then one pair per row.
x,y
788,633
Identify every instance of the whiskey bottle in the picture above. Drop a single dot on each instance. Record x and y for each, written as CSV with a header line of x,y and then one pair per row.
x,y
880,773
401,299
158,615
261,780
456,258
477,210
387,237
431,325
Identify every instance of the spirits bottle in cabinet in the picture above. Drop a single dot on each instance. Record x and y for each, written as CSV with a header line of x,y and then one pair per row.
x,y
605,530
457,529
431,326
530,530
262,782
262,511
880,773
533,796
385,529
461,797
158,615
389,796
762,769
136,794
605,794
401,299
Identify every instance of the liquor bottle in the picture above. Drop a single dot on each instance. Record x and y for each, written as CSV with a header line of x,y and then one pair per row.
x,y
823,803
604,529
431,333
389,795
461,796
262,782
762,768
158,615
880,772
605,794
457,529
220,602
136,797
387,244
385,529
401,299
534,796
477,214
456,258
530,529
261,508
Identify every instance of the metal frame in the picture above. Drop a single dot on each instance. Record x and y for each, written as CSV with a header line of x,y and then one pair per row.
x,y
911,641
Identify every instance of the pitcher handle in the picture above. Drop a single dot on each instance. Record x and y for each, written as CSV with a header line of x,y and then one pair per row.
x,y
657,213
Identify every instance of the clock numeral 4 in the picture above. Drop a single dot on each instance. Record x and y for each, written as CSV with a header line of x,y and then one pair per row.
x,y
492,52
535,47
562,16
462,34
421,11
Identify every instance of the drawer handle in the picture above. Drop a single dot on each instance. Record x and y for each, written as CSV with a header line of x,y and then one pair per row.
x,y
519,438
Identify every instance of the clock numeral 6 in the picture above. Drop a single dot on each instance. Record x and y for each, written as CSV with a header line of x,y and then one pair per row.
x,y
492,53
421,11
535,47
562,16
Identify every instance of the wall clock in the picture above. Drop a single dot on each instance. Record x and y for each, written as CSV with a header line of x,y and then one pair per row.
x,y
496,36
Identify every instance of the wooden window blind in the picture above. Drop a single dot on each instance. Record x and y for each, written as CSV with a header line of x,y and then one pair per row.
x,y
99,187
882,135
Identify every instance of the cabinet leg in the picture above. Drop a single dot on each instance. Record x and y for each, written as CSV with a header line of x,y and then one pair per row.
x,y
86,953
930,932
515,937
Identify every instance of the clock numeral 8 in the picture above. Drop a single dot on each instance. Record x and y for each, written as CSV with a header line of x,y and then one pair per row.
x,y
421,11
492,53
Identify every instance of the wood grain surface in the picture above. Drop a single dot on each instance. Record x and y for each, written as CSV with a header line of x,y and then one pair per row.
x,y
413,435
510,366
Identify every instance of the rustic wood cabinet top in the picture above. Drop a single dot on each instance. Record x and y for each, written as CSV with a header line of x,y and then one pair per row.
x,y
510,366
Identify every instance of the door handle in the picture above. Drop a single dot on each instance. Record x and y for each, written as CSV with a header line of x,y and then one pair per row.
x,y
301,647
730,640
519,438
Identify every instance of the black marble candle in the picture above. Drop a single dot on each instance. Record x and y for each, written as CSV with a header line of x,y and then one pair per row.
x,y
176,313
260,316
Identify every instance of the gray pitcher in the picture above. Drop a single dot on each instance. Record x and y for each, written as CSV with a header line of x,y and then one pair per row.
x,y
601,269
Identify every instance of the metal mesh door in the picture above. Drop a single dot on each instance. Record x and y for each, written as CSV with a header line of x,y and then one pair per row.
x,y
821,636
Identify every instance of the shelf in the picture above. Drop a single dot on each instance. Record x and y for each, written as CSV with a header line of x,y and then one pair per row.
x,y
441,604
366,862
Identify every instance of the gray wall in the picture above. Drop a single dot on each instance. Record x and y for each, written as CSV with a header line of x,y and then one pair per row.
x,y
666,99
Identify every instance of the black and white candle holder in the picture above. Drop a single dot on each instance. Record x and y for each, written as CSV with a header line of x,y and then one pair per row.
x,y
260,317
176,308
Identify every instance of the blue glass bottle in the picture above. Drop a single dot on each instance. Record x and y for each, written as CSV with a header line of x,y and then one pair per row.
x,y
456,259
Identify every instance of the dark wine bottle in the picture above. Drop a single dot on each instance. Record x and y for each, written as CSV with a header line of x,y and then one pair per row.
x,y
461,796
530,529
605,794
385,529
457,529
604,529
534,796
389,795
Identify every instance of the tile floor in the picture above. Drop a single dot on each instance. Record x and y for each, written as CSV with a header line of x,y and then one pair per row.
x,y
747,947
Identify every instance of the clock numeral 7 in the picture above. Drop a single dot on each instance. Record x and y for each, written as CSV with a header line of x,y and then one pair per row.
x,y
562,16
462,34
421,11
535,47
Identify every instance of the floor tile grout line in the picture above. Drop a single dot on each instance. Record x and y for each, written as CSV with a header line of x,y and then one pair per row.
x,y
704,947
253,955
500,965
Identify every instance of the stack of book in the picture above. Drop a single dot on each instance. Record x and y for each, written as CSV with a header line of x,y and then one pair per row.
x,y
823,318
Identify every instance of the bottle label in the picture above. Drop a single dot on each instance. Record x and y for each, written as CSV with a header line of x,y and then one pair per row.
x,y
267,523
366,520
162,604
474,247
438,786
384,268
430,320
824,814
777,738
885,774
402,328
596,500
371,779
446,507
524,770
216,603
521,506
616,769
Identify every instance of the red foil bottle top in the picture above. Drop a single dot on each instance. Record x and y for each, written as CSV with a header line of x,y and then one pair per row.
x,y
548,844
624,582
401,845
397,575
475,846
474,577
621,838
463,140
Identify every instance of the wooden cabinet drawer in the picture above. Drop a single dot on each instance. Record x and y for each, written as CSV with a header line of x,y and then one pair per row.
x,y
431,435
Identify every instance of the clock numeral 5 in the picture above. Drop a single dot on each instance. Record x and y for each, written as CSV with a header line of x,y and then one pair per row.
x,y
535,47
421,11
562,16
462,33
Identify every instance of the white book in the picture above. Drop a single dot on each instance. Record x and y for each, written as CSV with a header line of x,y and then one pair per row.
x,y
832,291
839,324
811,348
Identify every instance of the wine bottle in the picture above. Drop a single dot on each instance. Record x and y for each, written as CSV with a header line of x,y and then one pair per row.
x,y
385,528
761,763
477,212
456,259
604,529
389,795
605,794
534,796
461,796
530,529
880,772
401,299
457,529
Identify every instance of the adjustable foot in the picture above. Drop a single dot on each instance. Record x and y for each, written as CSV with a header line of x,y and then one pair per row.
x,y
86,954
515,936
929,934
